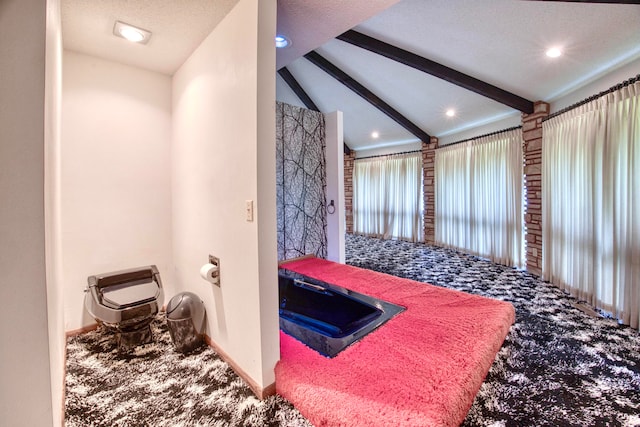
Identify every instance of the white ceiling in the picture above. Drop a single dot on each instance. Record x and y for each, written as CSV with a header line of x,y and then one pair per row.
x,y
177,27
311,23
499,41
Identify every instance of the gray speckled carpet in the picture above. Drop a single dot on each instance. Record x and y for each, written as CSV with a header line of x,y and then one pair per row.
x,y
154,385
557,367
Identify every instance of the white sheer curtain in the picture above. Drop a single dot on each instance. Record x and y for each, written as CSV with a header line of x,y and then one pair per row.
x,y
387,196
591,202
479,197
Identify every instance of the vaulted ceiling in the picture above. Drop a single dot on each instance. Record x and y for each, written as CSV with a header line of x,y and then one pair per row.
x,y
482,44
484,59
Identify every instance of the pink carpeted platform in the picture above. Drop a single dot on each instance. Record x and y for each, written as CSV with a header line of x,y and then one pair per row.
x,y
422,368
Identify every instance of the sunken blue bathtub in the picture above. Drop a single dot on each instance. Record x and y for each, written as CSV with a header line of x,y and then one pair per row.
x,y
326,317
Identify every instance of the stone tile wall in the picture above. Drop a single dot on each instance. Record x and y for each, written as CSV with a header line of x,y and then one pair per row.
x,y
532,151
428,170
348,190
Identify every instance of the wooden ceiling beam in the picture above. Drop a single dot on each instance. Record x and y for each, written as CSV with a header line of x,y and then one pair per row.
x,y
438,70
365,93
299,91
304,97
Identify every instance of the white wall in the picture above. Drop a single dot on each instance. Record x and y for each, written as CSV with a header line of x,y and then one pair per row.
x,y
53,230
510,121
335,186
116,175
25,385
224,154
269,323
603,83
587,89
391,149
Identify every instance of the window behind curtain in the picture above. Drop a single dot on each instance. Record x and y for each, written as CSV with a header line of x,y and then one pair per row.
x,y
591,202
388,197
479,197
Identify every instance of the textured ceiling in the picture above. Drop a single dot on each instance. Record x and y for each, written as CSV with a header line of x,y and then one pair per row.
x,y
501,42
178,27
310,23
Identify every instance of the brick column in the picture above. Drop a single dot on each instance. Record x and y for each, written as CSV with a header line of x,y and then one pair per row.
x,y
348,190
532,152
428,182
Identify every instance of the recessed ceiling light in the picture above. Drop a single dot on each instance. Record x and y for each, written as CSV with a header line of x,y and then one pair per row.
x,y
282,41
450,112
131,33
554,52
375,134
